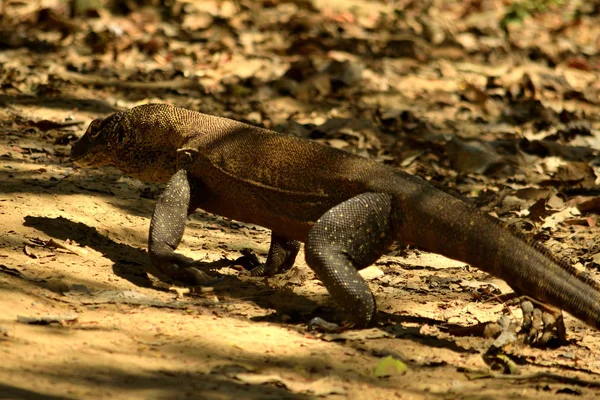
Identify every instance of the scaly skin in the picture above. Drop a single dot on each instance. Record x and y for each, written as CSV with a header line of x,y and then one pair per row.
x,y
346,209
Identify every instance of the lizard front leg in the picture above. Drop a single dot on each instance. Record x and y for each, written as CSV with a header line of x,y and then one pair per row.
x,y
349,237
282,254
166,231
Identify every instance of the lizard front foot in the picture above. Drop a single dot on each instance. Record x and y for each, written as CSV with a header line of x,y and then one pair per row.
x,y
184,269
320,325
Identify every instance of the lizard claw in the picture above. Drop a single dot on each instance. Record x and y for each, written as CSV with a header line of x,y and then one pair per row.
x,y
250,261
542,326
321,325
184,269
200,278
189,275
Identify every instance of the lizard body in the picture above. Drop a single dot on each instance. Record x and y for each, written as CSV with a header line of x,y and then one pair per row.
x,y
346,209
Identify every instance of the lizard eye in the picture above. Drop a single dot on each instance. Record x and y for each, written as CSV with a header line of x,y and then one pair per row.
x,y
95,128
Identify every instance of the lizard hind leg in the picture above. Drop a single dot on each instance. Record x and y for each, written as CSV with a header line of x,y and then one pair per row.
x,y
347,238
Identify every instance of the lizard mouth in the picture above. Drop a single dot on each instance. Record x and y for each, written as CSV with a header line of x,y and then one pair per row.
x,y
84,155
89,150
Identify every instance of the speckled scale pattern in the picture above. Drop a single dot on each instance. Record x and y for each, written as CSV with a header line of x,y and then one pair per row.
x,y
333,201
167,227
347,238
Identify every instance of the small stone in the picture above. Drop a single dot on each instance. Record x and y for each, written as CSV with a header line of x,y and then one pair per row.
x,y
371,273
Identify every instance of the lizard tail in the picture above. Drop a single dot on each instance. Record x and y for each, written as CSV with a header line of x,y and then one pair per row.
x,y
484,242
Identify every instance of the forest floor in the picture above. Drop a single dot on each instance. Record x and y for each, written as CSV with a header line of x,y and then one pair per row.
x,y
498,110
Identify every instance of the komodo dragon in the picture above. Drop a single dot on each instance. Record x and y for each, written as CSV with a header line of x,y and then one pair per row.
x,y
346,209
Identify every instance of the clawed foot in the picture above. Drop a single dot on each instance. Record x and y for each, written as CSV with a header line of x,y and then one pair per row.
x,y
320,325
186,270
195,277
542,326
250,262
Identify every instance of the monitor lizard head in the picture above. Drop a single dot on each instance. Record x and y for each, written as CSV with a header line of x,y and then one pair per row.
x,y
96,147
142,142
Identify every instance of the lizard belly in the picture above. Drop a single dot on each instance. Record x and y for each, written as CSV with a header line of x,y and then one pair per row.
x,y
281,196
289,213
274,215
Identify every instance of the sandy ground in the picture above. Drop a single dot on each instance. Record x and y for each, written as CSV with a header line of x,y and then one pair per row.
x,y
83,317
80,317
